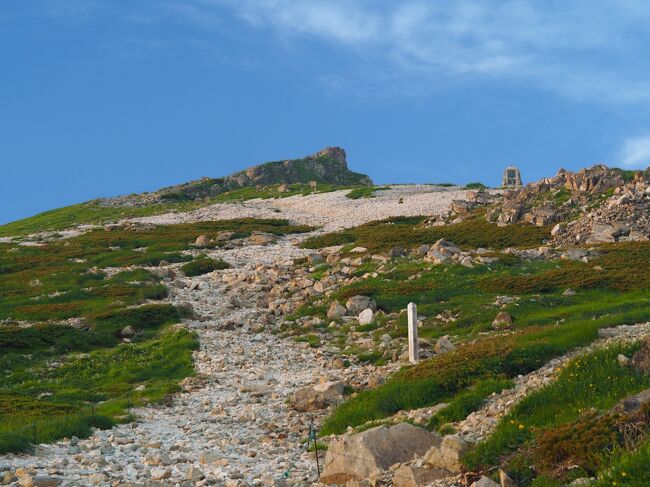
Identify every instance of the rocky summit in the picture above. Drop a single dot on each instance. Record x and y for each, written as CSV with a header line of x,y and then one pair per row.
x,y
328,166
407,335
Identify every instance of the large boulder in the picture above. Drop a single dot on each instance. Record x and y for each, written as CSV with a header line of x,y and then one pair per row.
x,y
447,455
356,304
316,397
359,456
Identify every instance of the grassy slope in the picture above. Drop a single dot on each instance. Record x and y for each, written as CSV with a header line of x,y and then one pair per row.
x,y
408,232
51,390
548,323
555,431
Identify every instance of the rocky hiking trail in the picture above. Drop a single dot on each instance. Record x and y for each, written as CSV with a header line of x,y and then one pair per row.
x,y
232,424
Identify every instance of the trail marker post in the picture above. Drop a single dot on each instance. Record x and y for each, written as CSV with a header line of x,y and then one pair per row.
x,y
414,352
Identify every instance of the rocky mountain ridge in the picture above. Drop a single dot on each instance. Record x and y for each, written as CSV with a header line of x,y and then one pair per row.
x,y
328,166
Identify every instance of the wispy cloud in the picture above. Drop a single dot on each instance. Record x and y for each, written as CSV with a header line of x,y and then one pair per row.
x,y
635,152
577,49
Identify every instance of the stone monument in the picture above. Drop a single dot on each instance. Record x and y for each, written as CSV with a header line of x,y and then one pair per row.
x,y
511,177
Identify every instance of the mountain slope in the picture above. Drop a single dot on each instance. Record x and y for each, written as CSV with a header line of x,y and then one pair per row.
x,y
328,166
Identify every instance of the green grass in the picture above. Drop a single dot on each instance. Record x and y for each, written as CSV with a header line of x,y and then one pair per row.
x,y
365,192
93,390
408,232
631,469
203,265
595,381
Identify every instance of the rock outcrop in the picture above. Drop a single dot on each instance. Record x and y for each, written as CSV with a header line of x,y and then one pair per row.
x,y
362,455
328,166
598,204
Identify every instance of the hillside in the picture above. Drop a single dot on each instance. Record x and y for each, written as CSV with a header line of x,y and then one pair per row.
x,y
280,179
326,167
225,329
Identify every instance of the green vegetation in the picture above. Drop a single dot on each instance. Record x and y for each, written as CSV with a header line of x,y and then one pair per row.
x,y
69,368
365,192
407,232
42,403
203,265
547,323
475,186
631,469
93,212
559,430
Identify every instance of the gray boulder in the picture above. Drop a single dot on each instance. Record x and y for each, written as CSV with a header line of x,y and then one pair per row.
x,y
356,304
359,456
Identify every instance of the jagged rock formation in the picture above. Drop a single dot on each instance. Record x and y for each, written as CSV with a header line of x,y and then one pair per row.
x,y
598,204
328,166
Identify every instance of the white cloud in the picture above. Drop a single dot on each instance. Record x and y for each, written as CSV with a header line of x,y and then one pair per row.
x,y
635,152
578,49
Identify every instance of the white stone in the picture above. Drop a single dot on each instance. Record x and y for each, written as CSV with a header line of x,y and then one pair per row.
x,y
366,317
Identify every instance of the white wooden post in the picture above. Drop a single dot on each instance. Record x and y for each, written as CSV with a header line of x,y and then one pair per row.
x,y
414,353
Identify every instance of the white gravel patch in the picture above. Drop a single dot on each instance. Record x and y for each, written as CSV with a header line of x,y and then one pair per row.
x,y
331,211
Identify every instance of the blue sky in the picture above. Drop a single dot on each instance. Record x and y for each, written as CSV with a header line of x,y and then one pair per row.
x,y
106,97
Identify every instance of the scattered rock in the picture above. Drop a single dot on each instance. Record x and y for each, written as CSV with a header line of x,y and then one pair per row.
x,y
319,396
201,241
